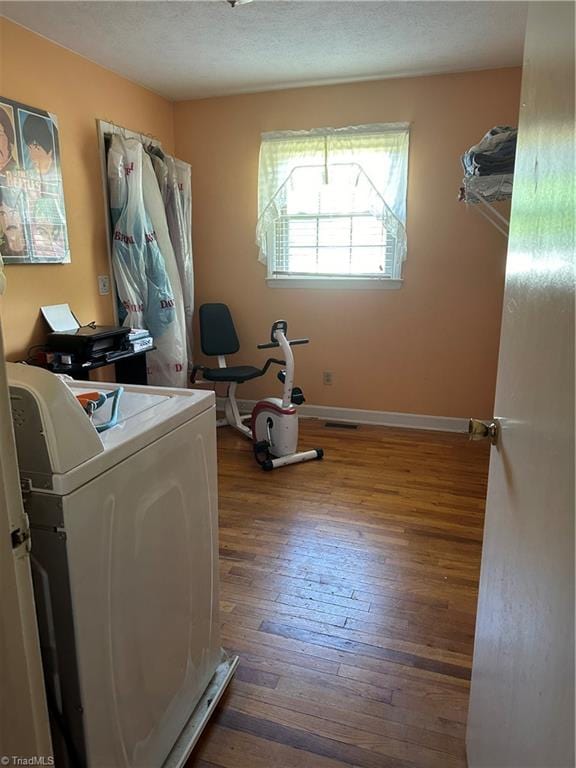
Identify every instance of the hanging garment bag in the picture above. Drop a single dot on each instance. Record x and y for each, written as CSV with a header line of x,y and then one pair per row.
x,y
142,283
175,186
127,263
154,206
179,210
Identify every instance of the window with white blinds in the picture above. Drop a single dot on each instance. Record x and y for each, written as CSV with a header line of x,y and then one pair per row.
x,y
332,203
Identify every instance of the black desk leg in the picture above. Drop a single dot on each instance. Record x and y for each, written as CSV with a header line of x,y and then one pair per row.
x,y
132,370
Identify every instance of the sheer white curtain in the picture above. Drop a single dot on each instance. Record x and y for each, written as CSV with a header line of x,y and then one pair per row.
x,y
380,151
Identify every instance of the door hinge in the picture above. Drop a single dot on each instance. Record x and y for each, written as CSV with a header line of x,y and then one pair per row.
x,y
25,486
21,536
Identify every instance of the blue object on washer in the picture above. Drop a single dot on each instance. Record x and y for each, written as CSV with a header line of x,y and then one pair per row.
x,y
114,395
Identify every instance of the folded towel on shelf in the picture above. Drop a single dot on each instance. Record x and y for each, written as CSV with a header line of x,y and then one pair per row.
x,y
488,188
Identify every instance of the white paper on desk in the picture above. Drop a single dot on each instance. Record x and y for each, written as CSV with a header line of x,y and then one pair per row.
x,y
59,317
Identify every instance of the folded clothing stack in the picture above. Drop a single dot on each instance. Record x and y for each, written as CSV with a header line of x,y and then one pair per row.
x,y
489,166
494,154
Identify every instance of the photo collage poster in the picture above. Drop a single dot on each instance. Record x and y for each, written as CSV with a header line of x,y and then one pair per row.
x,y
32,215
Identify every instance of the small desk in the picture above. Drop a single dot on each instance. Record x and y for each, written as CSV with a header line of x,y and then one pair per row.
x,y
130,368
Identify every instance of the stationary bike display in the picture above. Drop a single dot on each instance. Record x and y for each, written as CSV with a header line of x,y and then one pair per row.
x,y
274,419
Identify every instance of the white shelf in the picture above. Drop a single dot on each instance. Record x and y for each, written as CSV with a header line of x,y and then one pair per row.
x,y
483,191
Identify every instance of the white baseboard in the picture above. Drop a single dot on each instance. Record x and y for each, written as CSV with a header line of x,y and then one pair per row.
x,y
381,418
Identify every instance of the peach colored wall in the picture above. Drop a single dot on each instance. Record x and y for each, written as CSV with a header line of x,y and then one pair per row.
x,y
429,348
42,74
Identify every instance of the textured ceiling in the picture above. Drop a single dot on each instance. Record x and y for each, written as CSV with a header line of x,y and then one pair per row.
x,y
200,48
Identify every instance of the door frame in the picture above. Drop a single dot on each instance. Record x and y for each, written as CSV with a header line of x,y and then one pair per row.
x,y
24,722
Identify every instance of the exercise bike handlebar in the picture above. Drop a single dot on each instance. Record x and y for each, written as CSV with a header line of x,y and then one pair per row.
x,y
278,339
292,343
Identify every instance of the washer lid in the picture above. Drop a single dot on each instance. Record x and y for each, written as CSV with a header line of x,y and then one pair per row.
x,y
59,448
145,415
53,433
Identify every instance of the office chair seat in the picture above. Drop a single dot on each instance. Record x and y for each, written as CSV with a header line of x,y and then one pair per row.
x,y
238,373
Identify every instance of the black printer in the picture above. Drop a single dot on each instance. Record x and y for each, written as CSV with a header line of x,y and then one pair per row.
x,y
89,344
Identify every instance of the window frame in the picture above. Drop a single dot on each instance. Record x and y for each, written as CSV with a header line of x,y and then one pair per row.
x,y
392,281
333,280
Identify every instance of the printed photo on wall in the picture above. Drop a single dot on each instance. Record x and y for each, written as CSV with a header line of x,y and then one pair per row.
x,y
32,215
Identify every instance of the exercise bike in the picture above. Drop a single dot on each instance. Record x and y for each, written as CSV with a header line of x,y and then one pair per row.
x,y
275,420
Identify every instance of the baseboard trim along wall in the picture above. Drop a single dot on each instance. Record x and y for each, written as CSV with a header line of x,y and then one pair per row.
x,y
381,418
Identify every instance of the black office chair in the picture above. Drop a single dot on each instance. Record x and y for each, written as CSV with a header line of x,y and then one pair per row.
x,y
218,338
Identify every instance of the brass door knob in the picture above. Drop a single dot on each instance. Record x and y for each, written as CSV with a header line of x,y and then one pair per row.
x,y
480,430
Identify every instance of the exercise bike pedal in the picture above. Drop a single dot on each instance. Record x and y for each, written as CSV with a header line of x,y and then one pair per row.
x,y
297,396
262,453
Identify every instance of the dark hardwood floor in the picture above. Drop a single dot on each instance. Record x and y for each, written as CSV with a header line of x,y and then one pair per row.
x,y
348,589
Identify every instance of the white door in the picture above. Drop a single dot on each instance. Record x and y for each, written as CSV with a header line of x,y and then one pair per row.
x,y
522,706
24,730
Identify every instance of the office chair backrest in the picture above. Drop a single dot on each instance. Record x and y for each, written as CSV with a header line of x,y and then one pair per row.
x,y
217,332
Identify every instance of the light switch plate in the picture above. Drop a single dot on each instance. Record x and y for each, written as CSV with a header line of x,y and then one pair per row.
x,y
103,285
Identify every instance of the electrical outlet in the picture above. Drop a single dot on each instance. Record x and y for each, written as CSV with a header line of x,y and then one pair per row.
x,y
103,285
327,377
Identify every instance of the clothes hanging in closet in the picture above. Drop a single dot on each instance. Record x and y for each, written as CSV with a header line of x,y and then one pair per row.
x,y
154,206
145,292
175,186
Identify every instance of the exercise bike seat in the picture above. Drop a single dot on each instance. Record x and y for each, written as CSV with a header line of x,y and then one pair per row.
x,y
218,338
238,373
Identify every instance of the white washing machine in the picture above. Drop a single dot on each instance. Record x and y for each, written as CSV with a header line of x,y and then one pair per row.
x,y
124,551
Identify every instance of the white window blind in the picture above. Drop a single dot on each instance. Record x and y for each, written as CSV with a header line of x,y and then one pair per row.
x,y
332,202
